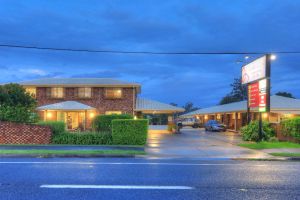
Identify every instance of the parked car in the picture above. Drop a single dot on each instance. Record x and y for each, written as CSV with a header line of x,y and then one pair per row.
x,y
193,122
213,125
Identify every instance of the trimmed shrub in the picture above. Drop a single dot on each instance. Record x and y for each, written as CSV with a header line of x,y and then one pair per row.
x,y
82,138
57,127
291,127
250,132
130,131
103,122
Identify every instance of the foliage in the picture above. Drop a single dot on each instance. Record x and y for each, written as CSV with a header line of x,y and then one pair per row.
x,y
171,127
250,131
57,127
238,92
82,138
104,122
129,131
16,105
285,94
270,145
189,107
291,127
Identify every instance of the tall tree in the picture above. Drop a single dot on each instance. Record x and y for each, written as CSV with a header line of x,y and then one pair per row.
x,y
238,92
285,94
189,107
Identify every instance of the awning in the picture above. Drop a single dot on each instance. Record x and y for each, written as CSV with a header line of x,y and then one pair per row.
x,y
66,105
154,107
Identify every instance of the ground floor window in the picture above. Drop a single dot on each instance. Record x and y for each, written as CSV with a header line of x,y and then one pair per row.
x,y
113,112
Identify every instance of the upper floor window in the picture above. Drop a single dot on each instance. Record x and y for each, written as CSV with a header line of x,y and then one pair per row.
x,y
113,93
57,92
85,92
31,91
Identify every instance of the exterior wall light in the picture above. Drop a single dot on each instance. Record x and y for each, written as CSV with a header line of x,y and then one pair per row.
x,y
92,115
265,115
49,115
135,117
205,117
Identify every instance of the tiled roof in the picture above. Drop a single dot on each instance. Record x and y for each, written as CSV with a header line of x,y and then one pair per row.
x,y
77,81
278,103
143,104
66,105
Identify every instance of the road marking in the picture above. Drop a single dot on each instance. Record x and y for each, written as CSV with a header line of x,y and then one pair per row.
x,y
131,163
134,187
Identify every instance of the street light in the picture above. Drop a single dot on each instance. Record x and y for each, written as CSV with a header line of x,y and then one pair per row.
x,y
273,57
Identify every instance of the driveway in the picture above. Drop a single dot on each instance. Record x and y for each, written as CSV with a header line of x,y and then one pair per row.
x,y
198,144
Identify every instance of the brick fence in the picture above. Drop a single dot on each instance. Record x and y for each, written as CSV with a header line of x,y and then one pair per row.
x,y
15,133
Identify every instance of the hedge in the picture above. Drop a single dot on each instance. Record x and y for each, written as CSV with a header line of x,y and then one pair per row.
x,y
83,138
250,131
103,122
57,127
129,131
291,127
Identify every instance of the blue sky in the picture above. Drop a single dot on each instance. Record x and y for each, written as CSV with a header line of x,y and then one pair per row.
x,y
185,26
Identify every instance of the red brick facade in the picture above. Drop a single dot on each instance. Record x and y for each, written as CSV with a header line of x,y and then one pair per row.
x,y
14,133
125,104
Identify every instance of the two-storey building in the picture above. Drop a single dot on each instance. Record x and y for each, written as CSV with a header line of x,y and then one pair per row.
x,y
77,101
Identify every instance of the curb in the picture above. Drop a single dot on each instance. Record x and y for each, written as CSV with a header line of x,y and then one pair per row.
x,y
68,156
265,159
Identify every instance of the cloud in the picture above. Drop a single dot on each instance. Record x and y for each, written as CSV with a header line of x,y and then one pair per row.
x,y
186,26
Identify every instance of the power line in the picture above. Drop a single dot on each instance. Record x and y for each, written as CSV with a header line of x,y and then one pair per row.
x,y
147,52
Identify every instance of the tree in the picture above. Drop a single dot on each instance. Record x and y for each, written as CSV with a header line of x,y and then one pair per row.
x,y
189,107
238,92
173,104
16,104
285,94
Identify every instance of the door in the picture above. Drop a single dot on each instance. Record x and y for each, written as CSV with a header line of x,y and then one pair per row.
x,y
72,120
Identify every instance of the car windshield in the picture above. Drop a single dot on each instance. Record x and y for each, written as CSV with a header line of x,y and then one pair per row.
x,y
214,122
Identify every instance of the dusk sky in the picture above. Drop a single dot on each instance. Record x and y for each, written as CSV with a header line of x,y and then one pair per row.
x,y
161,26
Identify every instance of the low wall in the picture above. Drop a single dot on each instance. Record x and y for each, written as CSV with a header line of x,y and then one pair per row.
x,y
17,133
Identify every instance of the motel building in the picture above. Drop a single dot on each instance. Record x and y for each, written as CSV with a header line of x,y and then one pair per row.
x,y
234,115
76,101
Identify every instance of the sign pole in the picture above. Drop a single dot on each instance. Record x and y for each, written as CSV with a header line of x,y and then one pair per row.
x,y
260,128
248,107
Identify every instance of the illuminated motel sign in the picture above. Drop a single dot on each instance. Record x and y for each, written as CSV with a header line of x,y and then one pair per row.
x,y
256,75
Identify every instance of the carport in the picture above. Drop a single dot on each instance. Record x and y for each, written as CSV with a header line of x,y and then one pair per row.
x,y
151,107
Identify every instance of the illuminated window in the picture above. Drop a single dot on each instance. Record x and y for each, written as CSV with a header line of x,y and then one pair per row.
x,y
84,92
31,91
113,93
57,92
113,112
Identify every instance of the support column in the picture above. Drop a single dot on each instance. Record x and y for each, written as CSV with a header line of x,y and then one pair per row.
x,y
235,121
85,119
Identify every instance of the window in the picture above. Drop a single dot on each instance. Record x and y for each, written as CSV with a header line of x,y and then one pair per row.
x,y
113,112
31,91
57,92
84,92
113,93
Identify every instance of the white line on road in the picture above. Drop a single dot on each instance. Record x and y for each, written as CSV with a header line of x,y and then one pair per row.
x,y
131,163
134,187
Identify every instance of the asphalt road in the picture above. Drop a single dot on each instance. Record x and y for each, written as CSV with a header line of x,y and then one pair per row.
x,y
125,178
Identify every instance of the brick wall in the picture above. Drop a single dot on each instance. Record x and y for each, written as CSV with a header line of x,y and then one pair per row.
x,y
15,133
97,101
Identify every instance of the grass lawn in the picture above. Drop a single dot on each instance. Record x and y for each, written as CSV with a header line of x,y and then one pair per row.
x,y
270,145
286,154
71,152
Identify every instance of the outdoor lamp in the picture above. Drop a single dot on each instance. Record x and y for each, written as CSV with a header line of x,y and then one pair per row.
x,y
92,115
49,115
273,57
